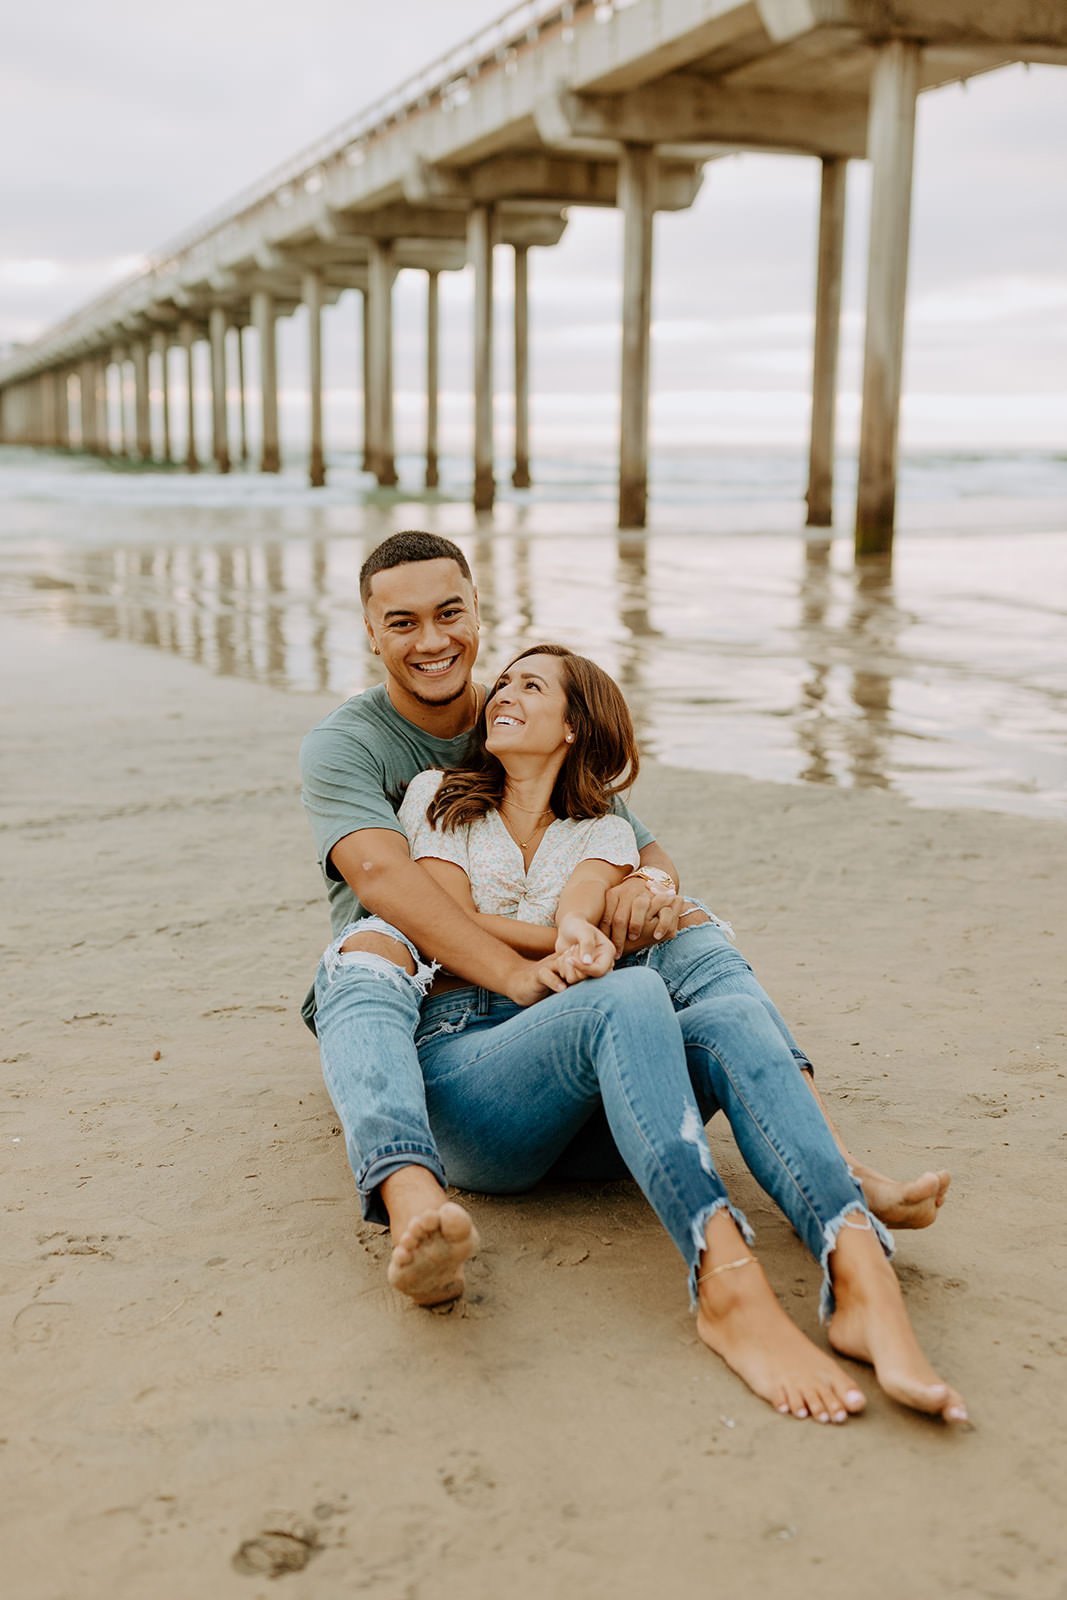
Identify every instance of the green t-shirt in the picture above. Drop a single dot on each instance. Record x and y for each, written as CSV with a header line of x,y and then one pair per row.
x,y
356,765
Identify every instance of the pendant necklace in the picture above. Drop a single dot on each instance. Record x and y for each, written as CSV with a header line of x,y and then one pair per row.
x,y
524,844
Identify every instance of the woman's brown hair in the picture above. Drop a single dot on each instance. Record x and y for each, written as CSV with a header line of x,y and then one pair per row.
x,y
602,761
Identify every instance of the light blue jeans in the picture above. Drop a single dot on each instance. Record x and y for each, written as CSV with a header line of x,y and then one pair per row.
x,y
501,1095
700,963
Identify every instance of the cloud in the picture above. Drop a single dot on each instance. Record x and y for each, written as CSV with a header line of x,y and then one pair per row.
x,y
978,301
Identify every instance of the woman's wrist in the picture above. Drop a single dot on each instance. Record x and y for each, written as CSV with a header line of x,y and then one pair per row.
x,y
571,924
657,879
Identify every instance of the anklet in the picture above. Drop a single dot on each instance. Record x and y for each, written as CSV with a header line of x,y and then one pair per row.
x,y
728,1266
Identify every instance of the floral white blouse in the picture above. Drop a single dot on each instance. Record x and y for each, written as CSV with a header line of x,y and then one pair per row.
x,y
493,862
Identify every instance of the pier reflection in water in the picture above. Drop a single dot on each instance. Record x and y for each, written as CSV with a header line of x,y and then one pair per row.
x,y
767,655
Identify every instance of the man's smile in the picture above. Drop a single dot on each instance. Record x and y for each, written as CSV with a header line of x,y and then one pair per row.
x,y
434,669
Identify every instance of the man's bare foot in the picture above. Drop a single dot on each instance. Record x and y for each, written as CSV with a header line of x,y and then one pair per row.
x,y
428,1260
740,1319
871,1324
898,1205
903,1205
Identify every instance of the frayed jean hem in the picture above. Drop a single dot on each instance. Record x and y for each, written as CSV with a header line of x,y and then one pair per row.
x,y
381,1165
699,1228
870,1224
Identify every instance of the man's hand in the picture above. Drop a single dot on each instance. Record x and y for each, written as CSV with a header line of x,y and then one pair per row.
x,y
636,916
588,951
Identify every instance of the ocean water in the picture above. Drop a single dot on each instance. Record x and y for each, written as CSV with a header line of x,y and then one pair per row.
x,y
744,642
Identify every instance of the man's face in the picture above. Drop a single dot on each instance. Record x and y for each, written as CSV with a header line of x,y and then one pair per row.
x,y
423,617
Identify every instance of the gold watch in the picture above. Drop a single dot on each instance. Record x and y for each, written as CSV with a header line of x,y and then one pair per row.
x,y
657,879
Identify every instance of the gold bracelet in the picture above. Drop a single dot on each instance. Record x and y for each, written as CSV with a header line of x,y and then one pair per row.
x,y
728,1266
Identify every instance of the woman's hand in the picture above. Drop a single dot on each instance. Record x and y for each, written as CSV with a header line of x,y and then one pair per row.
x,y
586,951
536,980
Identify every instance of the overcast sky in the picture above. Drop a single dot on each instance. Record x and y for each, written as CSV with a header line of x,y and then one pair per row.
x,y
121,123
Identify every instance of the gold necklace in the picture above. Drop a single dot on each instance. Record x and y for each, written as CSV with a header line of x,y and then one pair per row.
x,y
524,844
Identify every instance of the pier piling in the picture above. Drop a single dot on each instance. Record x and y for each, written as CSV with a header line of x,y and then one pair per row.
x,y
161,346
142,415
480,252
187,334
432,362
263,319
312,293
820,495
637,177
890,146
520,477
381,273
220,443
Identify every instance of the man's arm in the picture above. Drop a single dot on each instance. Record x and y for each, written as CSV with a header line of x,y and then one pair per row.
x,y
376,864
528,938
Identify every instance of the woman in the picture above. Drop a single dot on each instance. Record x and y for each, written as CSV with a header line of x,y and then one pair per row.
x,y
525,834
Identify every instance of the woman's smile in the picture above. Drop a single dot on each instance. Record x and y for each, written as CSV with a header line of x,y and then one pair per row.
x,y
529,702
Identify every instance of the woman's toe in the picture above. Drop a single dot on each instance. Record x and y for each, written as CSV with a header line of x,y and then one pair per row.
x,y
794,1400
822,1403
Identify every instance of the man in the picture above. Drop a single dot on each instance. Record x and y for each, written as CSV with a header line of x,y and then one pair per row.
x,y
390,919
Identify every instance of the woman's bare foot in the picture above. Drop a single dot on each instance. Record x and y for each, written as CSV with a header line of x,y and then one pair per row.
x,y
429,1257
740,1319
903,1205
871,1324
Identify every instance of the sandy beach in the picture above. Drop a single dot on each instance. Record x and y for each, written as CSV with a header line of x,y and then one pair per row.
x,y
200,1348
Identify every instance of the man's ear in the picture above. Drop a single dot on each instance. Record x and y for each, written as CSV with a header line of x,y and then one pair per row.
x,y
370,634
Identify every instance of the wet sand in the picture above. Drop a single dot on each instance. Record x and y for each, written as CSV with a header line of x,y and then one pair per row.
x,y
200,1346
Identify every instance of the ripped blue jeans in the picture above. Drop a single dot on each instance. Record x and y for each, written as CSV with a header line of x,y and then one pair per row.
x,y
366,1012
502,1095
509,1090
700,963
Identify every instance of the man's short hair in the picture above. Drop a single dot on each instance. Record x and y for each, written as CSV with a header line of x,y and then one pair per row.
x,y
401,548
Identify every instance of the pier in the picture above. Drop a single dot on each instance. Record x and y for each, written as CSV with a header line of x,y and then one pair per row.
x,y
590,103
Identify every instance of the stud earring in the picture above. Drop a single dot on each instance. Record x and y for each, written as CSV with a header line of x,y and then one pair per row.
x,y
570,738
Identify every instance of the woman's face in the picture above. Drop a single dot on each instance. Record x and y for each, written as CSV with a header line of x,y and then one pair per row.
x,y
527,710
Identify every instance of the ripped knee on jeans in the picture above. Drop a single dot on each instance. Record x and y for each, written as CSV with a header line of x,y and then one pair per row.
x,y
375,944
697,915
380,944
